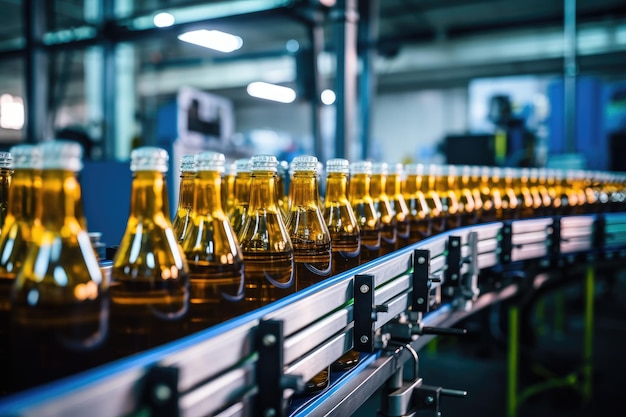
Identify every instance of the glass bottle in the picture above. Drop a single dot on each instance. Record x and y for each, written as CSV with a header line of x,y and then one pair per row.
x,y
489,196
310,239
306,226
5,182
419,213
150,289
364,210
282,185
264,239
339,217
399,206
59,310
212,251
474,185
228,186
241,194
510,202
433,200
185,196
384,209
19,221
465,196
445,178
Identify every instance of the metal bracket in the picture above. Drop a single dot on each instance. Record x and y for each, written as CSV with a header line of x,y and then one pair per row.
x,y
365,313
554,241
453,262
160,392
506,242
270,380
428,399
421,281
469,281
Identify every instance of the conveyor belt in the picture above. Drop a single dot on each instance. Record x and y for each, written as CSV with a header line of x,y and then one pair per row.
x,y
218,371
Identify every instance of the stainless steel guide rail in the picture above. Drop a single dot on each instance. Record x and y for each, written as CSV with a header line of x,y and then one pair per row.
x,y
387,309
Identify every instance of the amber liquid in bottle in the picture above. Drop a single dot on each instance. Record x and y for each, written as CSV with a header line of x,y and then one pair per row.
x,y
383,207
399,206
419,213
465,196
213,254
339,217
228,187
364,210
5,182
13,242
241,195
445,178
149,293
310,238
60,300
264,239
433,199
185,197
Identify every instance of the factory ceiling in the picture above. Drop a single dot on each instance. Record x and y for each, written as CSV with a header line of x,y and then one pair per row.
x,y
419,43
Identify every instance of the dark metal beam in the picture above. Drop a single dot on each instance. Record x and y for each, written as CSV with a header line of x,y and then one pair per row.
x,y
570,70
345,17
35,71
368,35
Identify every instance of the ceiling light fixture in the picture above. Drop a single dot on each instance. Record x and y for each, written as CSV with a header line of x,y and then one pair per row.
x,y
212,39
272,92
163,20
328,97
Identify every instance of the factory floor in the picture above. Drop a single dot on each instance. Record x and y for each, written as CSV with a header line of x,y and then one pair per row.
x,y
551,372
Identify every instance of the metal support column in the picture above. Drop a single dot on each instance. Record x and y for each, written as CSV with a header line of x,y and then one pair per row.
x,y
35,71
570,72
367,41
108,82
345,18
317,46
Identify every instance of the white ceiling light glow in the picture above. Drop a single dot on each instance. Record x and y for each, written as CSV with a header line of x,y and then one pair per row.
x,y
328,97
163,20
272,92
212,39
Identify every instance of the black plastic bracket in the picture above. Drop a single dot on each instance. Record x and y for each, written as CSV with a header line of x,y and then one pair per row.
x,y
271,381
599,232
160,394
365,313
421,281
506,242
554,241
453,262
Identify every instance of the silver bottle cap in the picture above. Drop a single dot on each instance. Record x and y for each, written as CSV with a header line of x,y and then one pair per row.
x,y
210,161
26,156
149,158
6,161
188,163
61,154
263,163
361,167
414,169
340,165
305,163
242,165
381,168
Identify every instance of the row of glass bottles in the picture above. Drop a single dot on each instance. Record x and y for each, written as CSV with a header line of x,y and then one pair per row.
x,y
215,263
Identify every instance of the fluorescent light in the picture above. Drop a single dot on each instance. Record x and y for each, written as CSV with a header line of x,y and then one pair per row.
x,y
11,112
212,39
272,92
163,20
328,97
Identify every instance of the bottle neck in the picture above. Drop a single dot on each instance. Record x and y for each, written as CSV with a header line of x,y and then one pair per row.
x,y
394,185
186,190
360,187
60,198
263,192
242,189
304,190
149,195
25,187
208,188
378,184
336,188
413,184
